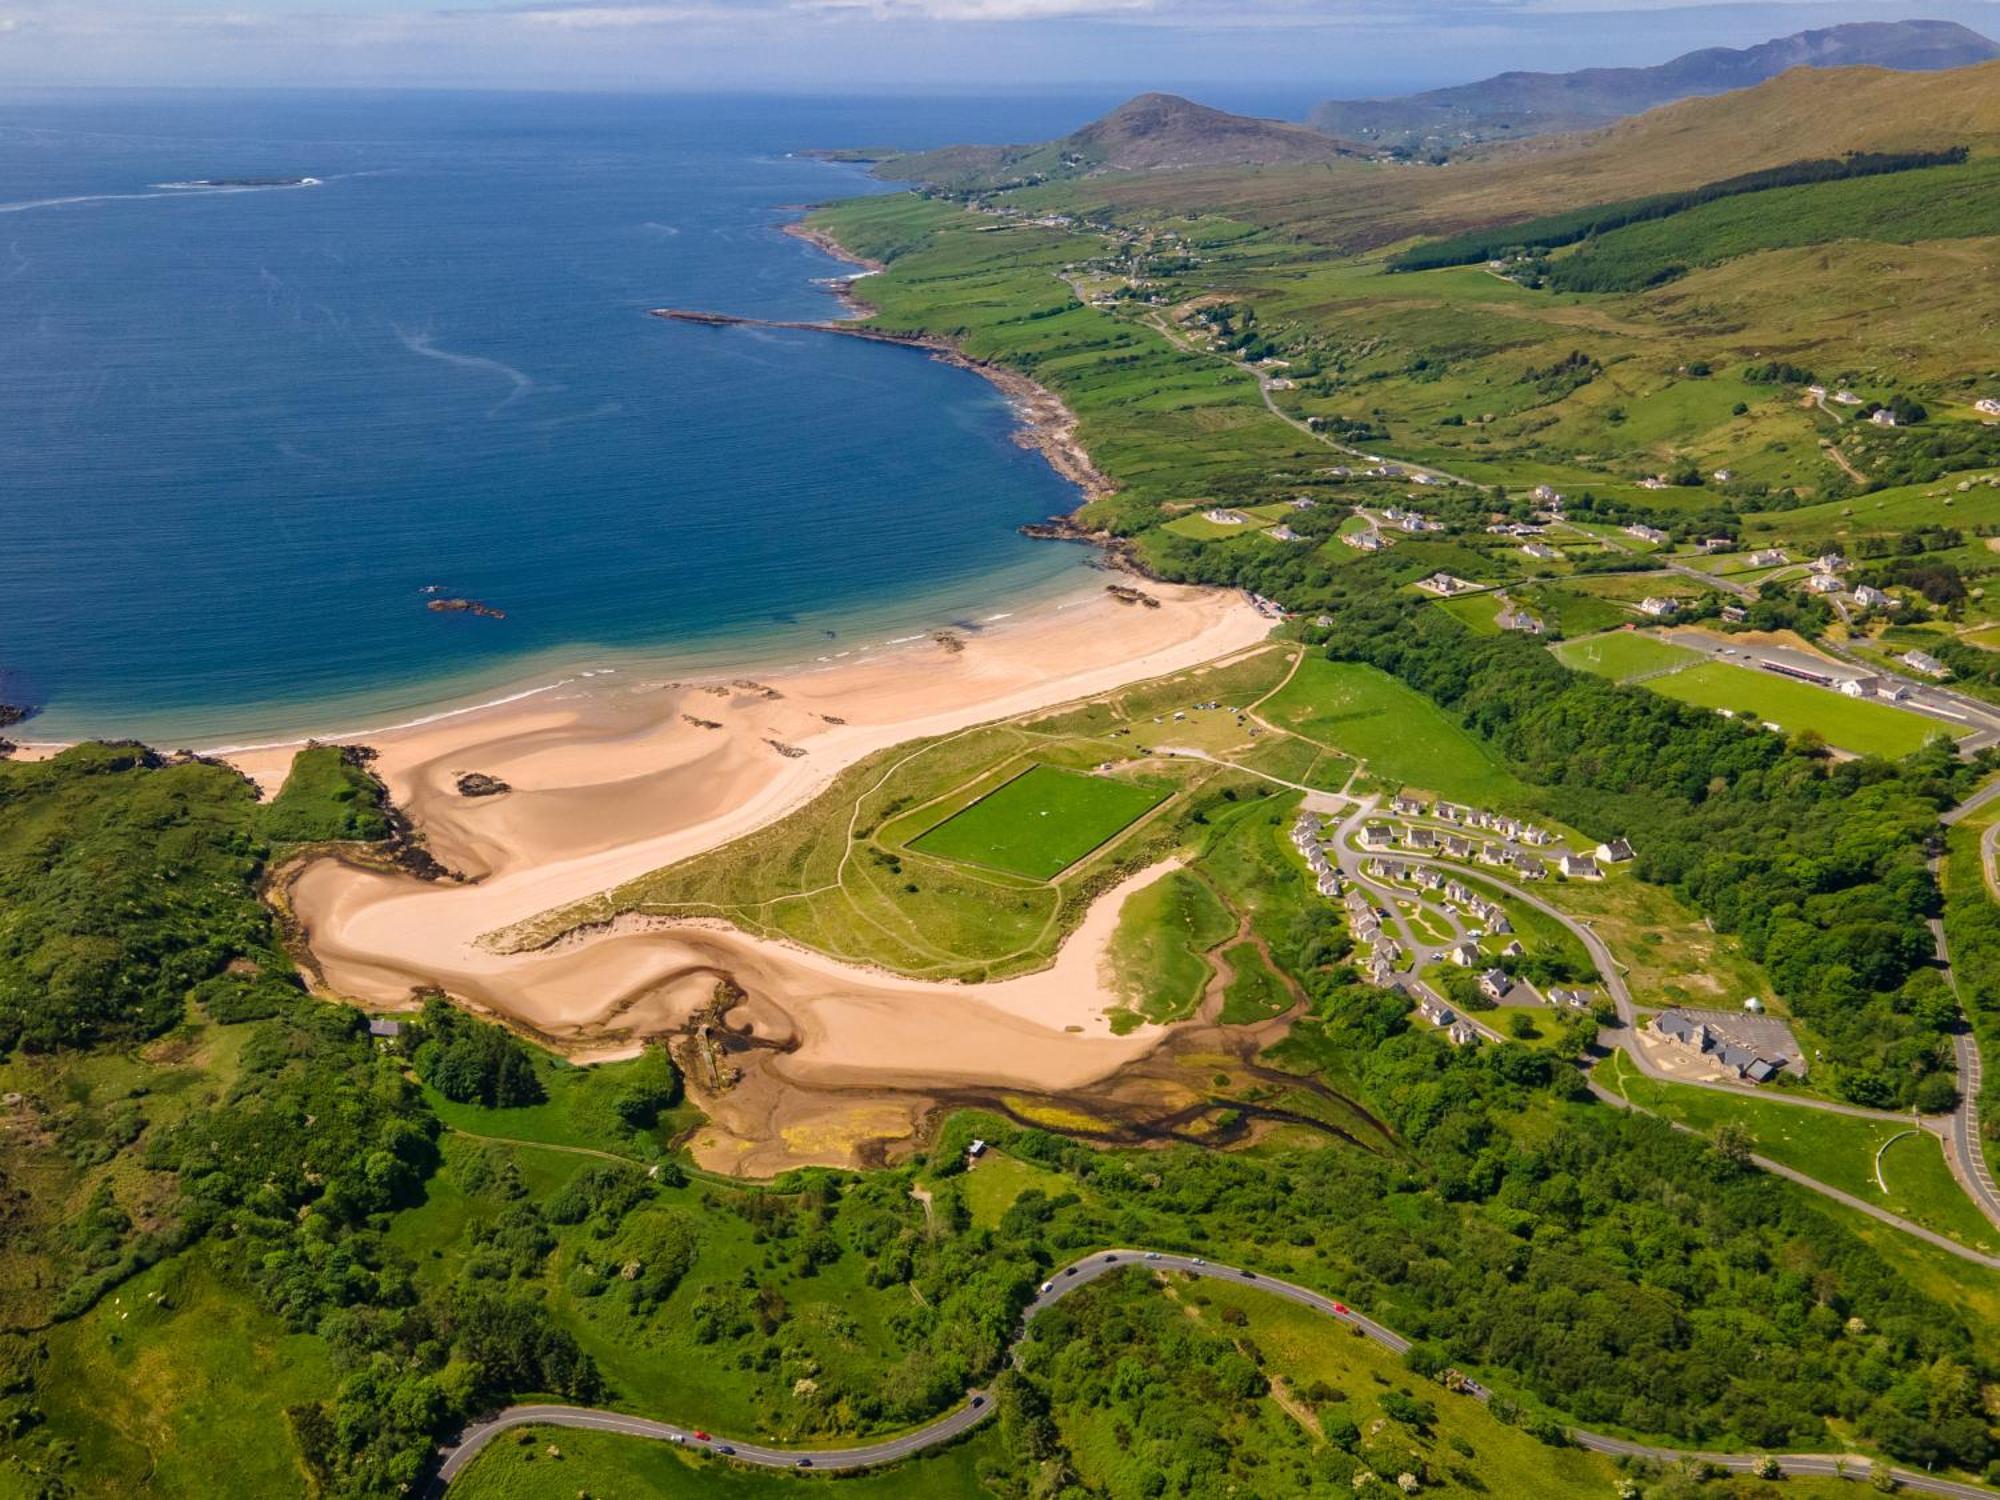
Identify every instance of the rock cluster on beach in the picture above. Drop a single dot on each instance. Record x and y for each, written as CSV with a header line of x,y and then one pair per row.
x,y
479,784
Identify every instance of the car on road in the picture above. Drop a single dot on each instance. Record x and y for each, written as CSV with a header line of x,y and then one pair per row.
x,y
1199,1261
675,1437
1109,1259
977,1402
1247,1275
1070,1272
1152,1255
701,1437
804,1463
1046,1286
1340,1308
725,1448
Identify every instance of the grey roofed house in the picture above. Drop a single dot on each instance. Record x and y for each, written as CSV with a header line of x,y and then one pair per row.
x,y
1495,983
1614,851
1421,838
1581,865
1378,835
1761,1071
1462,1034
382,1026
1496,920
1529,867
1465,955
1682,1028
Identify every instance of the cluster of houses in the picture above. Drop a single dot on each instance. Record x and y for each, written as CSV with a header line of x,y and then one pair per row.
x,y
1457,1030
1306,839
1489,914
1410,521
1702,1038
1570,863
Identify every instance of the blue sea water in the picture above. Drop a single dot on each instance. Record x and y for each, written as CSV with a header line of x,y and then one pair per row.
x,y
240,431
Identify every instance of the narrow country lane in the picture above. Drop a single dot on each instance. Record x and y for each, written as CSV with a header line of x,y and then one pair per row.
x,y
1061,1283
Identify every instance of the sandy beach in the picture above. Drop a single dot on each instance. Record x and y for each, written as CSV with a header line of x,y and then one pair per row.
x,y
609,783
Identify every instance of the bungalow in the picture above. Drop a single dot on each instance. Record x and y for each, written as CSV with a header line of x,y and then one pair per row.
x,y
1386,948
1420,838
1614,851
1828,562
1817,392
1717,543
1823,583
1381,975
1767,557
1658,606
1580,867
1224,517
1329,883
1570,999
1678,1026
1304,502
1528,867
1495,983
1451,812
1430,878
1549,495
1412,522
1647,533
1457,848
1846,398
1923,661
1493,854
1514,950
383,1029
1283,533
1406,807
1882,417
1495,919
1870,597
1436,1011
1365,541
1462,1034
1465,955
1734,614
1457,893
1443,584
1377,836
1652,482
1540,551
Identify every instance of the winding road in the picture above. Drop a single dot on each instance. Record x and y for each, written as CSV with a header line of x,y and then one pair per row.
x,y
977,1406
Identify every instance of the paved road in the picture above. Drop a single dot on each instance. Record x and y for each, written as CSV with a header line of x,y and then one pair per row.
x,y
1062,1283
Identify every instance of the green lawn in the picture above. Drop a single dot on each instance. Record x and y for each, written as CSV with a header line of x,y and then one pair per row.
x,y
1041,822
1848,723
1624,654
1836,1149
1479,613
1402,735
580,1109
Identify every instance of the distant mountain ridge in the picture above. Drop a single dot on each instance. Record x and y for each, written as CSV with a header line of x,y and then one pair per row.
x,y
1154,132
1520,103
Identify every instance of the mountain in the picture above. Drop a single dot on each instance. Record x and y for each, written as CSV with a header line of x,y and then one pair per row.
x,y
1516,104
1154,132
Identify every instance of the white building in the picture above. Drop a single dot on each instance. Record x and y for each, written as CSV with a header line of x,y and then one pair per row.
x,y
1658,607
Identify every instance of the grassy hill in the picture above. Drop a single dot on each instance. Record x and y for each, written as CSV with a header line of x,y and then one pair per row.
x,y
1525,103
1148,133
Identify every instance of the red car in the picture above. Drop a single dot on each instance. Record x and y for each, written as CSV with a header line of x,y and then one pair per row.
x,y
1341,1308
700,1436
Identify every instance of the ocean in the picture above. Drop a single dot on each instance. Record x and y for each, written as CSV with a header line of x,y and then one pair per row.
x,y
244,430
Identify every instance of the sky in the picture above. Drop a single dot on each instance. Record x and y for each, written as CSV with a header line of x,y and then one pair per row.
x,y
1273,55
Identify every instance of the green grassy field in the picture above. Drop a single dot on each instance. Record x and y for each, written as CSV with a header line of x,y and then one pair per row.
x,y
1399,733
1164,931
580,1110
1850,724
1836,1149
1042,821
1624,655
1255,992
1478,612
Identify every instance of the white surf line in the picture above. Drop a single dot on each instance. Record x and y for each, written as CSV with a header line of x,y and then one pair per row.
x,y
160,190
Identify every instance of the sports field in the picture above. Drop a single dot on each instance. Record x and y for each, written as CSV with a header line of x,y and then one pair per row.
x,y
1848,723
1623,655
1041,822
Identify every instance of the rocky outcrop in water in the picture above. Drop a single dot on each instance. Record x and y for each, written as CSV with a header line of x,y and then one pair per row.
x,y
465,607
479,784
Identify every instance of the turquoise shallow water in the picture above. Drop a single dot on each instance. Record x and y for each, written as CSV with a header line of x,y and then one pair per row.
x,y
243,430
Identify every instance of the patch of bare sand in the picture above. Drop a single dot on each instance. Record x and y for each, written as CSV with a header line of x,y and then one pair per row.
x,y
608,787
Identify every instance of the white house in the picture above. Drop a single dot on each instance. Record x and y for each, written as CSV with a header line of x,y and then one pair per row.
x,y
1647,533
1614,851
1882,417
1283,533
1828,562
1769,557
1658,607
1540,551
1224,517
1579,867
1859,687
1870,597
1923,661
1823,583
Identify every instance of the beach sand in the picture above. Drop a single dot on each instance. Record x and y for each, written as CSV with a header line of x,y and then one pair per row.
x,y
609,783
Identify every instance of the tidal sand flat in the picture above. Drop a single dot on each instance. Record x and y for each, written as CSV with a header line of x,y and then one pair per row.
x,y
607,786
